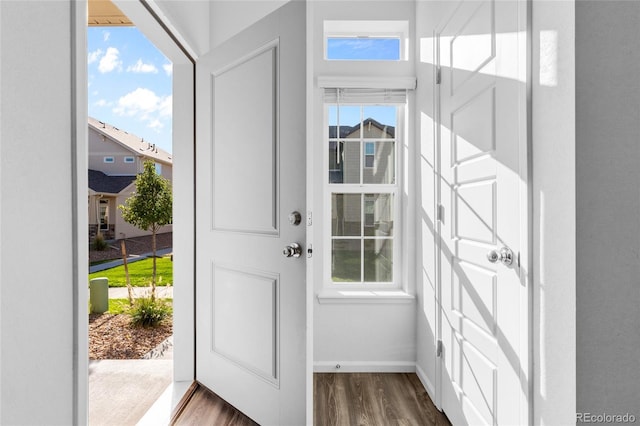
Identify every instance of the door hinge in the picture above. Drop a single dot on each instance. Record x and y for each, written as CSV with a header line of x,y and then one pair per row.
x,y
309,218
439,349
438,75
440,213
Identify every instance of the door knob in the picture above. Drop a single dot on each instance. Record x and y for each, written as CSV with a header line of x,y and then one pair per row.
x,y
292,250
504,255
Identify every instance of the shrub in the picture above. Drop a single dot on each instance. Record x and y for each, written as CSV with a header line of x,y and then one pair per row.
x,y
148,312
99,243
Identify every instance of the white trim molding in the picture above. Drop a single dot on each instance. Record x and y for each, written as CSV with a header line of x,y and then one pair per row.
x,y
361,82
364,367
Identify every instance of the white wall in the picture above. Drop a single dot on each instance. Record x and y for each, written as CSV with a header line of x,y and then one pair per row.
x,y
41,370
554,225
229,17
358,336
188,19
608,206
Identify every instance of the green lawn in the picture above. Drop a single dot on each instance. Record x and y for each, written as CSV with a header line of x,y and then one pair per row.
x,y
120,306
139,273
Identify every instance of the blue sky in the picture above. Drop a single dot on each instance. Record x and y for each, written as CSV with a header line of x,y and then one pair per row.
x,y
130,83
351,115
350,48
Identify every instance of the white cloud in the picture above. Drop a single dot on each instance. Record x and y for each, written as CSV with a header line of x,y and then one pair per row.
x,y
168,68
146,106
102,103
110,61
93,56
106,35
155,125
141,67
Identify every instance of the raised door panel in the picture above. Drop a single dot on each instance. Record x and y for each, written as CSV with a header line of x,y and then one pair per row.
x,y
245,148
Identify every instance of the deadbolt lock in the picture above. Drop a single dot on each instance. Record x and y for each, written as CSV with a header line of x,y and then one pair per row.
x,y
295,218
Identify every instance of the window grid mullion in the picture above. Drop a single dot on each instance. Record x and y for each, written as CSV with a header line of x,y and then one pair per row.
x,y
362,238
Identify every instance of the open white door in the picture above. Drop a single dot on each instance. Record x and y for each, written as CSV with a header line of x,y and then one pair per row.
x,y
482,51
250,176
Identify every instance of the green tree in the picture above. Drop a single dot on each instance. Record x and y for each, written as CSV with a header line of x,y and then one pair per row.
x,y
149,208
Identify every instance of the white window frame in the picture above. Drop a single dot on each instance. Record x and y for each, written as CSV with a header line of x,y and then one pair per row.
x,y
108,160
361,188
129,160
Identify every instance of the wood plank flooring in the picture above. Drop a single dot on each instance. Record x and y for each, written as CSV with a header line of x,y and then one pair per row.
x,y
206,408
373,399
343,399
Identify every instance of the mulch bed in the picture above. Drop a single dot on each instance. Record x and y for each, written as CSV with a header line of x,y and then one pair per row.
x,y
113,337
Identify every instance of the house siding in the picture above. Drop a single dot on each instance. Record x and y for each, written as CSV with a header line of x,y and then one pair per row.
x,y
99,148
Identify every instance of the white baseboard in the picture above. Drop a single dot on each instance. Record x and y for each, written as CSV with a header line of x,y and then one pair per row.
x,y
428,384
364,367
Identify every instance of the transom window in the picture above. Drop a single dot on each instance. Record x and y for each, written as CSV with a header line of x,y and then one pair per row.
x,y
366,40
108,159
362,186
129,160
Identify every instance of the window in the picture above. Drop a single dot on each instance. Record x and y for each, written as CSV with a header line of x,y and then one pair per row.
x,y
103,214
363,193
129,160
158,168
109,160
366,40
369,154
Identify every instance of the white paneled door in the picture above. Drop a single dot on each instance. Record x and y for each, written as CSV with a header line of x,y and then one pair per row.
x,y
483,197
250,176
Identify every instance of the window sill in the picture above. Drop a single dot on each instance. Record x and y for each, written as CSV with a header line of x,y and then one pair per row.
x,y
364,296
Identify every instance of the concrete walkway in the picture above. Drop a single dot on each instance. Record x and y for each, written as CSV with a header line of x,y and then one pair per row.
x,y
122,391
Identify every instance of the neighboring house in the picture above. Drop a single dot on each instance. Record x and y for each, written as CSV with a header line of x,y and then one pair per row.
x,y
115,158
378,167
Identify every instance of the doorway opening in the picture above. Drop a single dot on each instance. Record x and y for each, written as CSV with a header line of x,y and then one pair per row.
x,y
130,63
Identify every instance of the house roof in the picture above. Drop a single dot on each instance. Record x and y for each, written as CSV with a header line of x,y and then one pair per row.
x,y
347,130
101,183
133,143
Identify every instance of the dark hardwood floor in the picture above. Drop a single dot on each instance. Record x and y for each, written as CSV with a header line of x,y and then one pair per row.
x,y
343,399
373,399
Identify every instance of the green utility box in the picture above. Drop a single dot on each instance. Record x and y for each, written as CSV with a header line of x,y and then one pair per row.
x,y
99,295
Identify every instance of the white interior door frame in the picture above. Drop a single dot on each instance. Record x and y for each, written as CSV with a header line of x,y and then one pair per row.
x,y
149,19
